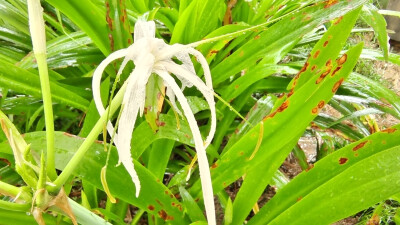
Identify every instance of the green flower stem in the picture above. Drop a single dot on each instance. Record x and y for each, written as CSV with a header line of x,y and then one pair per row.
x,y
48,114
37,30
80,153
10,190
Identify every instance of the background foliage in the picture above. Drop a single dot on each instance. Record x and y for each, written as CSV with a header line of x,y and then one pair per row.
x,y
280,63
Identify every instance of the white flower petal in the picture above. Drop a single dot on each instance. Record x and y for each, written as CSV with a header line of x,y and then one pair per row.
x,y
205,90
144,29
133,100
203,62
205,175
96,80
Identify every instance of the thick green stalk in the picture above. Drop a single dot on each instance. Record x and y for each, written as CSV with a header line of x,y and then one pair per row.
x,y
37,30
80,153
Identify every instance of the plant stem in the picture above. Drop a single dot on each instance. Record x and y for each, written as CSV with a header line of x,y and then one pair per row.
x,y
14,206
10,190
80,153
37,30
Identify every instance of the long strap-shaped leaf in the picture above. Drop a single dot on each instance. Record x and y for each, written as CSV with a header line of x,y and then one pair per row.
x,y
281,126
89,18
343,183
327,48
270,42
23,81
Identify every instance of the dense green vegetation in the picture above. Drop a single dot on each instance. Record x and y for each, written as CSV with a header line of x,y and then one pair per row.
x,y
278,69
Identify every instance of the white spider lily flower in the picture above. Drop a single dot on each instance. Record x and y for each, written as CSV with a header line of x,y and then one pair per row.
x,y
153,56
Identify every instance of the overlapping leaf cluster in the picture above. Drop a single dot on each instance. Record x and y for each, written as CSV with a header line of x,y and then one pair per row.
x,y
278,63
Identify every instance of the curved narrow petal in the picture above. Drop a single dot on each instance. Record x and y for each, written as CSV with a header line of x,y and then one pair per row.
x,y
133,100
205,90
96,80
203,62
188,65
205,175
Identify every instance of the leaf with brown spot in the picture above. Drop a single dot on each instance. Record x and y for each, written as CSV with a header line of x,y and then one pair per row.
x,y
337,85
343,161
362,144
342,59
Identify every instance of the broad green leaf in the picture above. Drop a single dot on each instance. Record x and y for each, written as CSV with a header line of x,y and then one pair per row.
x,y
89,18
11,54
344,182
326,50
140,6
211,50
154,197
118,24
261,71
143,136
199,19
23,81
92,115
159,156
168,16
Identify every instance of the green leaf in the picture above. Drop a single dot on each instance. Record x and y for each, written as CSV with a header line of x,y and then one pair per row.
x,y
199,19
258,177
278,37
228,212
193,210
143,136
23,81
344,182
67,50
279,129
363,85
371,16
22,218
155,92
18,39
118,24
154,197
86,16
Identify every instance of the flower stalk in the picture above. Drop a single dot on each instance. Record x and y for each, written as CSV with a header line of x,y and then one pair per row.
x,y
90,139
37,30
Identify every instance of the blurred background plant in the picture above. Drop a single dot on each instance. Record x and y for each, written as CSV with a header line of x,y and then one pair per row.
x,y
290,101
